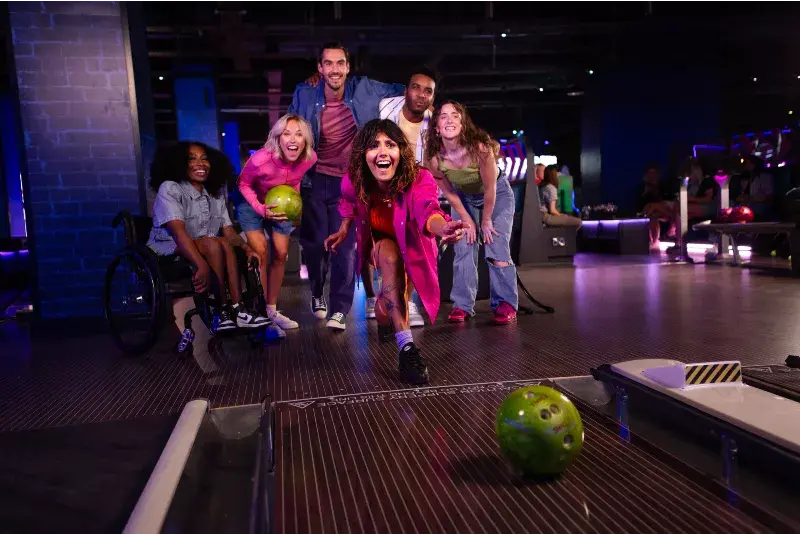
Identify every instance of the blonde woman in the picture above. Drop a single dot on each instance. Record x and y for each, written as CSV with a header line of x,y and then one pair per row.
x,y
286,156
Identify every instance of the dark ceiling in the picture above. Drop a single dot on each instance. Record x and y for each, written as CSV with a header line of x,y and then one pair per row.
x,y
510,62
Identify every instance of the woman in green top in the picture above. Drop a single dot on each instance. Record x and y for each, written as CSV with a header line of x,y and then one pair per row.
x,y
463,159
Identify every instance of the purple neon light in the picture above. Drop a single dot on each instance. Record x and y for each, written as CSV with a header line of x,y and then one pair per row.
x,y
615,222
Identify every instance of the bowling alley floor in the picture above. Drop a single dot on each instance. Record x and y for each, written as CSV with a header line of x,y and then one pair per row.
x,y
606,311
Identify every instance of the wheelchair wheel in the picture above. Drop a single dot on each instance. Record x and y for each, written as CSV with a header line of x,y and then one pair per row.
x,y
134,300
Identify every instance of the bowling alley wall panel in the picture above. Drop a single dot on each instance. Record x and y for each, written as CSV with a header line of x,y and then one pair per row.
x,y
79,164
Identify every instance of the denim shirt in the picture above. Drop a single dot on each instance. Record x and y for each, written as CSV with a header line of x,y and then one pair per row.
x,y
203,214
362,97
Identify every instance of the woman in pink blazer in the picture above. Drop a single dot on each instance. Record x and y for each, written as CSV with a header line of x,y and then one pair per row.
x,y
395,207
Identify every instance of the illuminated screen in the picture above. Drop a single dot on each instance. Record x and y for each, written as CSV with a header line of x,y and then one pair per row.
x,y
545,160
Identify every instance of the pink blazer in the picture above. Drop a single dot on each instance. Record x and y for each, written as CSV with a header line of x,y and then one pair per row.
x,y
412,210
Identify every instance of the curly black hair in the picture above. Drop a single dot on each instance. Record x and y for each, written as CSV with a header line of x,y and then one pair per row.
x,y
358,171
172,163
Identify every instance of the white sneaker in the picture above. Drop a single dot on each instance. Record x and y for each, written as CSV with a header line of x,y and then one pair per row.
x,y
371,307
414,317
303,272
337,321
281,321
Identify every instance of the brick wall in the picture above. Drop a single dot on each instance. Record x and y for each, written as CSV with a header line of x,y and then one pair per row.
x,y
75,108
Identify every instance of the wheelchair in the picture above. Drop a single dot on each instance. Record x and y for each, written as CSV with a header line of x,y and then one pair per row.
x,y
140,286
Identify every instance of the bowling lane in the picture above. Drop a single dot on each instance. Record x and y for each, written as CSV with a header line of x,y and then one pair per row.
x,y
427,461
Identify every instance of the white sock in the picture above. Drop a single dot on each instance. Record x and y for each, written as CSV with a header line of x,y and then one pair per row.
x,y
272,309
403,338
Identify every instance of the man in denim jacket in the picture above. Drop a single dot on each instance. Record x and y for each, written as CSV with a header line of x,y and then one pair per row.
x,y
336,108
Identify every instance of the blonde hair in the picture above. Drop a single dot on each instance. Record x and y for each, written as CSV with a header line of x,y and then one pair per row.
x,y
273,143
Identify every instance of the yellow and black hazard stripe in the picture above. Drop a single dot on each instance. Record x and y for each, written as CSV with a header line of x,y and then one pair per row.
x,y
713,373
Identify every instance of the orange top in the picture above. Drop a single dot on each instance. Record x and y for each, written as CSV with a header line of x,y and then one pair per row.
x,y
381,214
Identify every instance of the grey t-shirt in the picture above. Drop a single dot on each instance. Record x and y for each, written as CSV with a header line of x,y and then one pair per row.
x,y
547,194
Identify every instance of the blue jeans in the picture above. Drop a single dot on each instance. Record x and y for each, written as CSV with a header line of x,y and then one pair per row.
x,y
502,280
321,219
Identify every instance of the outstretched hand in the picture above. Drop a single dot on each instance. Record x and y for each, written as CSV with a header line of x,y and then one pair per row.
x,y
452,232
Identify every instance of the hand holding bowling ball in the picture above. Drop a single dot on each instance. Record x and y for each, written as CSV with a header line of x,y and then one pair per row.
x,y
539,430
283,203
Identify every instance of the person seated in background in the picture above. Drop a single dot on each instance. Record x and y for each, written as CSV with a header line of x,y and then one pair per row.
x,y
700,202
395,207
286,156
548,198
653,202
754,187
189,211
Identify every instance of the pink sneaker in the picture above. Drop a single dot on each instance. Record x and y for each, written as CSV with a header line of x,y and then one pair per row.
x,y
504,314
457,316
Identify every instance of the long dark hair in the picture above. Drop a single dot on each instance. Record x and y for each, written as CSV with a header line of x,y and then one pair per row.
x,y
359,172
171,163
550,176
471,135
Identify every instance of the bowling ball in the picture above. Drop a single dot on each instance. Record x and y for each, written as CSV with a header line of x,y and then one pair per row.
x,y
742,214
724,215
539,431
287,199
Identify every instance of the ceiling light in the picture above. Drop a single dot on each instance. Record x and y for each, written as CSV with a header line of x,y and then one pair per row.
x,y
161,78
504,35
541,89
791,112
591,72
514,132
755,79
223,134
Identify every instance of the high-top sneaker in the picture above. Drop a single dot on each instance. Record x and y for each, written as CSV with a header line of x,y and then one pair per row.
x,y
414,316
222,320
371,307
249,319
413,368
319,307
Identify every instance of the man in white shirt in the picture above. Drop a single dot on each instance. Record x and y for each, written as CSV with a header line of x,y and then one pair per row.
x,y
412,113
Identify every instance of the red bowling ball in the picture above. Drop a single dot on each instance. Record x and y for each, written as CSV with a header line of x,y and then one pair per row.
x,y
724,215
742,214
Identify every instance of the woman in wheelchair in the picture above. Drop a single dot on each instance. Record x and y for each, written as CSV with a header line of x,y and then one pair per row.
x,y
284,159
395,205
189,212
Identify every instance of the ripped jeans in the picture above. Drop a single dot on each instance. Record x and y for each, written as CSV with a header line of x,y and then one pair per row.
x,y
502,280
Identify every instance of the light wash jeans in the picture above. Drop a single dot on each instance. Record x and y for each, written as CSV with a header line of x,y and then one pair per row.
x,y
502,280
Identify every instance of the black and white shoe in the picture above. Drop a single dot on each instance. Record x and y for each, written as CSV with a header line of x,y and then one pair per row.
x,y
249,319
223,322
319,307
413,368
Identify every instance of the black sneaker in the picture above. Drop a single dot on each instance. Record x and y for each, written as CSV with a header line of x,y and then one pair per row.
x,y
413,368
223,321
319,307
249,319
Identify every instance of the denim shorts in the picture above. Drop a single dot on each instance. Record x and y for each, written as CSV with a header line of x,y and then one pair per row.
x,y
251,221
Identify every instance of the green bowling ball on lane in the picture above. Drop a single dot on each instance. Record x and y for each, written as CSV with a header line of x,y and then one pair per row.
x,y
287,199
539,431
